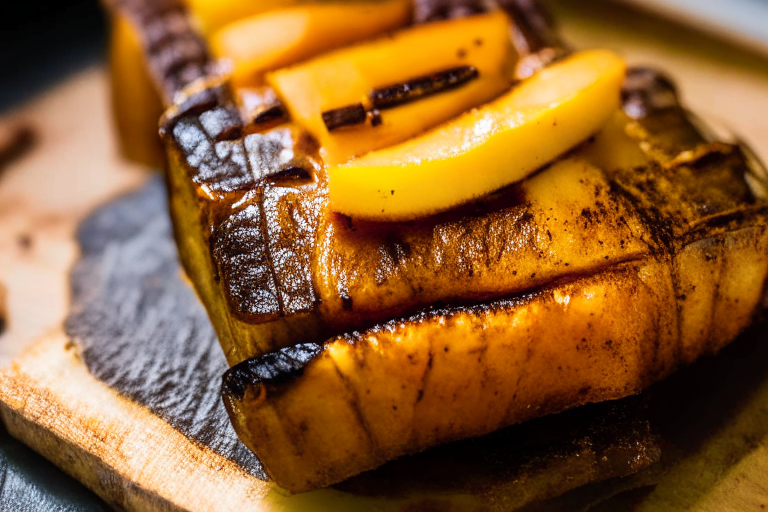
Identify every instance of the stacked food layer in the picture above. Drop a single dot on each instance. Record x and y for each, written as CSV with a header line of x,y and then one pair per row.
x,y
413,224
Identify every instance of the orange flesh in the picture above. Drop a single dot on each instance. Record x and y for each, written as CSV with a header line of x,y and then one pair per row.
x,y
279,38
487,148
346,77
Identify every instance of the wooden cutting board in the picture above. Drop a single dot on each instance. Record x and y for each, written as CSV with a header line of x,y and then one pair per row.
x,y
137,451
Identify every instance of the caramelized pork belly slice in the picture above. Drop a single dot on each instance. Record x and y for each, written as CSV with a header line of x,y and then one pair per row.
x,y
317,414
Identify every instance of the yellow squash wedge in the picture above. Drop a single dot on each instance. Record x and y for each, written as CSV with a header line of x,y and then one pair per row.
x,y
487,148
278,38
348,76
211,15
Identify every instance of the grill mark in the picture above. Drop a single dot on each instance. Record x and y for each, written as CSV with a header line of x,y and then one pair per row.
x,y
359,416
342,117
395,95
658,227
176,54
268,253
716,296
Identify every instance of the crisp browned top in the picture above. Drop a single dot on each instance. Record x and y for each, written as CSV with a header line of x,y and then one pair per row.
x,y
280,253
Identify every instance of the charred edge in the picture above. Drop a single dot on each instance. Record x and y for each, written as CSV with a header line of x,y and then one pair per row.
x,y
176,53
159,31
345,116
274,368
658,226
198,103
399,94
291,173
618,267
270,115
436,10
534,23
489,304
222,124
647,90
176,59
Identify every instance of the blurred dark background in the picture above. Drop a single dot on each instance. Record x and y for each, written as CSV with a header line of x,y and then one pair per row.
x,y
44,40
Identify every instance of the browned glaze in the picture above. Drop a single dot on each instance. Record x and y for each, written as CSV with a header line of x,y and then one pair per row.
x,y
235,168
277,253
282,246
280,273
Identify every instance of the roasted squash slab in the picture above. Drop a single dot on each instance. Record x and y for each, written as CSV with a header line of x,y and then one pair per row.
x,y
611,279
638,247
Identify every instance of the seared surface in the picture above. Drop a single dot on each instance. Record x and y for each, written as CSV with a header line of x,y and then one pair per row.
x,y
265,251
281,254
647,215
129,272
651,246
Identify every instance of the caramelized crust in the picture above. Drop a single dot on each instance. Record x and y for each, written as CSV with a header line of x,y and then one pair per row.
x,y
264,250
354,343
271,261
669,262
281,254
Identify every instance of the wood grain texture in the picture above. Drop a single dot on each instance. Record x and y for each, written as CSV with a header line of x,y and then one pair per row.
x,y
115,447
139,335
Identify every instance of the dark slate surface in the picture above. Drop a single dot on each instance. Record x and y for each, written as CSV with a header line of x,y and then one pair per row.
x,y
144,333
142,329
29,483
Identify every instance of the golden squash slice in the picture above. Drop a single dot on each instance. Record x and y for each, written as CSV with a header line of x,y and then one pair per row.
x,y
349,99
485,149
282,37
